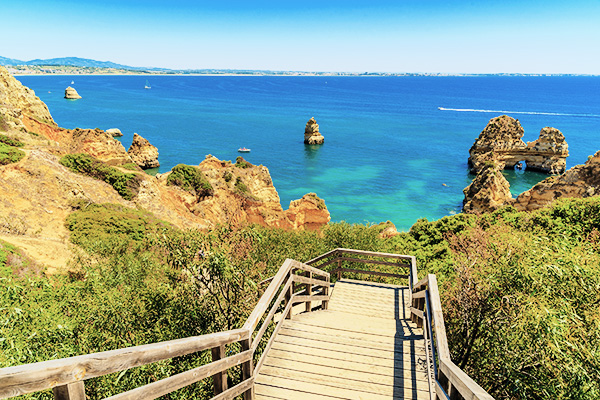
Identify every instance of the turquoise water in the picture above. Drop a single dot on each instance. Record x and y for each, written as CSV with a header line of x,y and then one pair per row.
x,y
390,153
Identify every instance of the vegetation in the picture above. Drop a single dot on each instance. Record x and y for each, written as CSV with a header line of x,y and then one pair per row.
x,y
9,154
241,163
520,292
190,178
127,185
130,166
9,141
227,176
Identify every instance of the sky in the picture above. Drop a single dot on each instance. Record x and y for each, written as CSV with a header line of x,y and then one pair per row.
x,y
414,36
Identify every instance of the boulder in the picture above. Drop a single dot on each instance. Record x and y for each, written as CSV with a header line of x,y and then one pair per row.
x,y
143,153
501,142
312,134
97,143
114,132
489,190
71,93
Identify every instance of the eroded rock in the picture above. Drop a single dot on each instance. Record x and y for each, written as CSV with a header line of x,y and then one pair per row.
x,y
144,154
312,134
489,190
308,213
114,132
71,93
501,142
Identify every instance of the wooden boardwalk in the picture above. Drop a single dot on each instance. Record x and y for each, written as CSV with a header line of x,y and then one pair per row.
x,y
364,346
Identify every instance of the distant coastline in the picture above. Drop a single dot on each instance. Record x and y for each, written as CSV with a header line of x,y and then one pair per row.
x,y
81,66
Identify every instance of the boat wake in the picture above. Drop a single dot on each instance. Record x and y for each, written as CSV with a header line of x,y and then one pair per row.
x,y
517,112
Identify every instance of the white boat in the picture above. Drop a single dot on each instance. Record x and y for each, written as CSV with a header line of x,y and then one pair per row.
x,y
147,86
72,82
243,150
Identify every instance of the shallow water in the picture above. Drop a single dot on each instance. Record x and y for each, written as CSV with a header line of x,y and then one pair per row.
x,y
390,153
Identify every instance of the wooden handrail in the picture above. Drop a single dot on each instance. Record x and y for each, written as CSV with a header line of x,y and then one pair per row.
x,y
450,378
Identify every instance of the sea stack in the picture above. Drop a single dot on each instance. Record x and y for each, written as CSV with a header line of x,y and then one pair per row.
x,y
143,153
312,134
501,142
71,93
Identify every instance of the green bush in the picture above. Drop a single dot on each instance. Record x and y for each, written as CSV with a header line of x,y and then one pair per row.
x,y
241,163
9,154
227,176
190,178
10,142
130,166
127,185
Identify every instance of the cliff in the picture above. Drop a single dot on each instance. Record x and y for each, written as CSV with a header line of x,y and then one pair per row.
x,y
144,154
488,191
501,142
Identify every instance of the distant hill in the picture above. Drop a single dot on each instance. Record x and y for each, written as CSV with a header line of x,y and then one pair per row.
x,y
75,62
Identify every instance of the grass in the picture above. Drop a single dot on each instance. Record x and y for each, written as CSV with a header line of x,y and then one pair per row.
x,y
127,185
9,141
241,163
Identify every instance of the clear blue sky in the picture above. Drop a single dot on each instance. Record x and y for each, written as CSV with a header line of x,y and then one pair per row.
x,y
451,36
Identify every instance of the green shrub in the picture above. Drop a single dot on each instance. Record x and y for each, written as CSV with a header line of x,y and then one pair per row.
x,y
10,142
227,176
130,166
127,185
190,178
241,163
9,154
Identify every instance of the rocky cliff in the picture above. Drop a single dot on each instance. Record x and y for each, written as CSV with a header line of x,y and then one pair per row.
x,y
312,134
501,142
579,182
143,153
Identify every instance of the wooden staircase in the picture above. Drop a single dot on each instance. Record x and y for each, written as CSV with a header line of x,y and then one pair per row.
x,y
364,346
305,339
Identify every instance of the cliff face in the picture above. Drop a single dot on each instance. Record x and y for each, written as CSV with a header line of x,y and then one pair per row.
x,y
488,191
579,182
501,142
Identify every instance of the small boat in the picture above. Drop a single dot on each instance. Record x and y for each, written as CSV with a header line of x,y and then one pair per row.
x,y
147,85
72,82
243,150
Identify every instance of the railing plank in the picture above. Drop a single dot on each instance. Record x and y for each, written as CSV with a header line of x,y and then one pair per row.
x,y
417,312
236,390
321,257
374,254
269,317
438,318
462,382
164,386
305,267
376,273
360,260
309,281
34,377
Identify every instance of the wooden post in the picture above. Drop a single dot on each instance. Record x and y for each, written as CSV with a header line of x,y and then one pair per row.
x,y
288,296
339,273
220,378
325,303
70,391
309,293
247,369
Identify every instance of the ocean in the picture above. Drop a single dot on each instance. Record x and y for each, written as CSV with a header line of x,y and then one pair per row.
x,y
395,149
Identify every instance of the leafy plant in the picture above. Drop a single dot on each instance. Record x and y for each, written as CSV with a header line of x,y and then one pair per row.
x,y
9,141
241,163
9,154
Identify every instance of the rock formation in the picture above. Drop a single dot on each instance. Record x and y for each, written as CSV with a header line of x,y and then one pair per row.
x,y
308,213
114,132
312,134
71,93
96,143
488,191
578,182
143,153
501,142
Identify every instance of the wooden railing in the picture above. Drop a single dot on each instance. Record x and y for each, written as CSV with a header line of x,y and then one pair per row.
x,y
451,382
66,376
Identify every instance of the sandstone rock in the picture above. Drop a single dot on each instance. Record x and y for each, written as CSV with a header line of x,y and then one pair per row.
x,y
501,142
578,182
308,213
488,191
312,134
96,143
71,93
143,153
114,132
